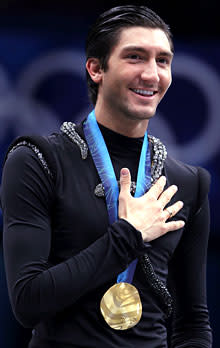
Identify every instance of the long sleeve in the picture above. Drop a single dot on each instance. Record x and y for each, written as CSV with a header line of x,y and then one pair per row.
x,y
191,328
37,288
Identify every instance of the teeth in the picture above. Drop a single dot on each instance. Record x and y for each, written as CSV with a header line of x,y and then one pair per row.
x,y
143,92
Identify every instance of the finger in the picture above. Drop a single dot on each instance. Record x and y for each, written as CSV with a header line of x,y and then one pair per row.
x,y
156,190
166,196
174,225
173,209
125,181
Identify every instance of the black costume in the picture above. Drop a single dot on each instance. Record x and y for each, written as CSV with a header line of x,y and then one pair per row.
x,y
61,255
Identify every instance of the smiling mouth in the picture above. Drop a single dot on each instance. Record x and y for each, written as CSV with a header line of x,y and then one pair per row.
x,y
143,92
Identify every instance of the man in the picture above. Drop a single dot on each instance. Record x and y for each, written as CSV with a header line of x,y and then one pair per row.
x,y
88,264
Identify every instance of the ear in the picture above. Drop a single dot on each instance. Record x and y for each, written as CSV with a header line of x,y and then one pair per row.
x,y
94,69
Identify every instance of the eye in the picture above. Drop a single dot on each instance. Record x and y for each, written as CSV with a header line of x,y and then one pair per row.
x,y
163,60
134,56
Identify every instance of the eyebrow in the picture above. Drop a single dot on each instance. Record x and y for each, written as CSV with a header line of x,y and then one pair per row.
x,y
143,50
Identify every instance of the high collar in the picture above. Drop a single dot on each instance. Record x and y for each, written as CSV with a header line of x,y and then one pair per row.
x,y
118,143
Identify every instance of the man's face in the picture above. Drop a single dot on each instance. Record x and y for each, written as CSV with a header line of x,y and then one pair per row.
x,y
138,74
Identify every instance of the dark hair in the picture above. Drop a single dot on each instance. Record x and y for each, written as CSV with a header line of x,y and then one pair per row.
x,y
104,34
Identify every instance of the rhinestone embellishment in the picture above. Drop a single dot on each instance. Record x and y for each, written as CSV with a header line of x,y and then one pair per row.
x,y
36,151
156,284
100,190
159,157
68,128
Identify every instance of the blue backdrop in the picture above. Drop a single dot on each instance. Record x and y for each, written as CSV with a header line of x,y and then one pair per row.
x,y
42,84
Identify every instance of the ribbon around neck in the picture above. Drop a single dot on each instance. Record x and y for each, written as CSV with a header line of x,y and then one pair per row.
x,y
102,161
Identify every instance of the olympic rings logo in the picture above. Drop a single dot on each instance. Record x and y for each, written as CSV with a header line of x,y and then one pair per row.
x,y
20,111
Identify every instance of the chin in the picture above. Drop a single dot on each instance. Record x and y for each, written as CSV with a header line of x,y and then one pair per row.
x,y
144,115
139,114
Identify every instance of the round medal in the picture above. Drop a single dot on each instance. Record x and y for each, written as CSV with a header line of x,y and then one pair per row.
x,y
121,306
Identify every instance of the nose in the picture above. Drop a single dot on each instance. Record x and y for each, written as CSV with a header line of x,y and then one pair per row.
x,y
150,72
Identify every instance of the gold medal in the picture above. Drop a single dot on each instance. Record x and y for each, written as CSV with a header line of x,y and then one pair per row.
x,y
121,306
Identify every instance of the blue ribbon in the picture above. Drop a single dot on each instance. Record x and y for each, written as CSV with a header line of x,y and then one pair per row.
x,y
106,172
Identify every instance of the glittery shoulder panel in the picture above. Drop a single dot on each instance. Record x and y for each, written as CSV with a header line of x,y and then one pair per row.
x,y
37,152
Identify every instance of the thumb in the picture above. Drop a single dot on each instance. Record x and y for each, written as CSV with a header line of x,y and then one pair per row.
x,y
125,180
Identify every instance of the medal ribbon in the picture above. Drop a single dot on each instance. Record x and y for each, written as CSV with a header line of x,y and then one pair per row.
x,y
106,173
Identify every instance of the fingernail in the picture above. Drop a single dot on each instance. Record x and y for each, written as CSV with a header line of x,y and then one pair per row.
x,y
124,171
163,178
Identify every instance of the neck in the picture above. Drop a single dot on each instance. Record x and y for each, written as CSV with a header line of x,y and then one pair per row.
x,y
121,124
